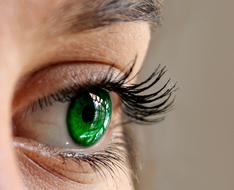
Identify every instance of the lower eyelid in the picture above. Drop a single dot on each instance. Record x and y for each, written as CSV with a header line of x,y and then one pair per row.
x,y
77,169
50,161
62,168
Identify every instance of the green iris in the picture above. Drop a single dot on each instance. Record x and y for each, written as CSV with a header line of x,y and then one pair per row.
x,y
88,116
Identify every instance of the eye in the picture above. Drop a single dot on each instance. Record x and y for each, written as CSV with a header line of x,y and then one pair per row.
x,y
81,121
71,119
88,116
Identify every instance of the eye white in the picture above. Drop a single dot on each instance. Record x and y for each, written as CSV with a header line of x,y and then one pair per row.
x,y
48,126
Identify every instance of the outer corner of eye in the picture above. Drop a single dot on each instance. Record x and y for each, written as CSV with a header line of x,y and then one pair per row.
x,y
115,101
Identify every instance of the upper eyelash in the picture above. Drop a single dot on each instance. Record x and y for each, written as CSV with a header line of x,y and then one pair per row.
x,y
136,104
139,106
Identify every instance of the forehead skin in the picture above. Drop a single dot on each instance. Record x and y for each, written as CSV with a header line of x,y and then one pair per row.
x,y
30,23
30,39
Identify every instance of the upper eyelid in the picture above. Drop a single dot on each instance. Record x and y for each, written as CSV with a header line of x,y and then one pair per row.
x,y
142,108
48,80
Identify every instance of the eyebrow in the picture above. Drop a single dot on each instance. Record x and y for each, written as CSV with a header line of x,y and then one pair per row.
x,y
99,13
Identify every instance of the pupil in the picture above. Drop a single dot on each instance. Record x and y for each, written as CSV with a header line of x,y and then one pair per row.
x,y
88,113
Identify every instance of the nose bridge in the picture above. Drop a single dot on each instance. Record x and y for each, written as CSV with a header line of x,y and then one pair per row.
x,y
9,58
9,173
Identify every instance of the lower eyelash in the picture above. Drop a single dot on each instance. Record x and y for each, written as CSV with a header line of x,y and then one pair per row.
x,y
104,163
112,159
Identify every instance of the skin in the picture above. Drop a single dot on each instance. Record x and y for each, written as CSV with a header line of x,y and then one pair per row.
x,y
28,43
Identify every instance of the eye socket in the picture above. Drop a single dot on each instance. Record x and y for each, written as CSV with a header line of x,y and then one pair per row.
x,y
66,132
88,116
79,123
53,118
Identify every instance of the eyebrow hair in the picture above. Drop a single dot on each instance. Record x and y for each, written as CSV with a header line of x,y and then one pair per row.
x,y
100,13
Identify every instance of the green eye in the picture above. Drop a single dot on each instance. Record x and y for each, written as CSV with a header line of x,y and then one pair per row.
x,y
88,117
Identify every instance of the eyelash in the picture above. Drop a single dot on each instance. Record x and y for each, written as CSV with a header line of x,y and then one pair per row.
x,y
138,106
112,156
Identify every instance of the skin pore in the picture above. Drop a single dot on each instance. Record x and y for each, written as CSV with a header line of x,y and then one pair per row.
x,y
33,38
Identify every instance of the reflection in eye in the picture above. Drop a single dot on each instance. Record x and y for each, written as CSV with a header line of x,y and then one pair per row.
x,y
88,116
77,122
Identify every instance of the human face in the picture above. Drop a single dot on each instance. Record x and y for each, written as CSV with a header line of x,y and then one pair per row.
x,y
48,45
